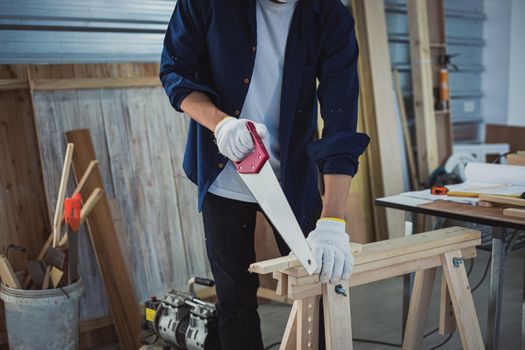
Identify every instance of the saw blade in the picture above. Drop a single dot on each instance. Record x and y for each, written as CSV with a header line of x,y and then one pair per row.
x,y
268,192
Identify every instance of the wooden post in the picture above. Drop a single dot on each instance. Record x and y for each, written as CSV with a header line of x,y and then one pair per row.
x,y
308,323
427,146
418,312
337,319
447,319
462,302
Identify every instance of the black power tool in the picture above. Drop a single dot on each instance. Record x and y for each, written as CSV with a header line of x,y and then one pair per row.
x,y
181,320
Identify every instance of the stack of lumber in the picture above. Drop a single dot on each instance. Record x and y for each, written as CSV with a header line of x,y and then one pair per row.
x,y
380,171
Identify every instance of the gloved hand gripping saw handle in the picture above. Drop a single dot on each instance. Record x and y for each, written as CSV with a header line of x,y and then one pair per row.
x,y
253,162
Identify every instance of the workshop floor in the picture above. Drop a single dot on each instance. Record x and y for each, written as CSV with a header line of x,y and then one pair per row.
x,y
376,310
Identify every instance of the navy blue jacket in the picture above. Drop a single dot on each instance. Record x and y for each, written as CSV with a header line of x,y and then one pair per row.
x,y
210,46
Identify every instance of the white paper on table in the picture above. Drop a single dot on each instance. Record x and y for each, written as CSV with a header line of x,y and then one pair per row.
x,y
482,178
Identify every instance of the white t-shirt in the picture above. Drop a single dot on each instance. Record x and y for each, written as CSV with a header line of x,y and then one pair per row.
x,y
263,101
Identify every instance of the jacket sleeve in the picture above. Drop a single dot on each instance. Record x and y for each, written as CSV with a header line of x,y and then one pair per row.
x,y
184,51
338,151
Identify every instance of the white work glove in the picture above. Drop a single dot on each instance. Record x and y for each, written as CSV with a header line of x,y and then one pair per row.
x,y
330,245
234,139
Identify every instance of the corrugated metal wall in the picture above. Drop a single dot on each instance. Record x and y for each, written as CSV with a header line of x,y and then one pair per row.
x,y
464,30
60,31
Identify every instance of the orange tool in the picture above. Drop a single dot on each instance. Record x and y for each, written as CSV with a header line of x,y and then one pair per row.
x,y
443,191
439,190
72,210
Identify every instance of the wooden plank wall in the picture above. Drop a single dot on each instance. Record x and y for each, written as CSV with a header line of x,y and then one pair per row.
x,y
23,209
139,140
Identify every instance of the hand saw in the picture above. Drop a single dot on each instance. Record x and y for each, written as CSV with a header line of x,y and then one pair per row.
x,y
257,174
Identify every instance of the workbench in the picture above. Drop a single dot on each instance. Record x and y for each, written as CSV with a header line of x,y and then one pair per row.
x,y
502,231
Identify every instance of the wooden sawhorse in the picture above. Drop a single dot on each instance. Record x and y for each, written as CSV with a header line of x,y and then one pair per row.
x,y
422,253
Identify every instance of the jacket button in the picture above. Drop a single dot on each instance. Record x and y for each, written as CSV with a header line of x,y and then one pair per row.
x,y
220,165
246,81
254,49
237,113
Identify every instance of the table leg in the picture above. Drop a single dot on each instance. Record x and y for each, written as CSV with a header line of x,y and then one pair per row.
x,y
523,310
496,284
408,279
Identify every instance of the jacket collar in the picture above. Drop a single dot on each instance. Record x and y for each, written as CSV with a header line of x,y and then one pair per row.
x,y
310,7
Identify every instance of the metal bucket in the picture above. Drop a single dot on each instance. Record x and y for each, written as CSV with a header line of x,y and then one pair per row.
x,y
42,319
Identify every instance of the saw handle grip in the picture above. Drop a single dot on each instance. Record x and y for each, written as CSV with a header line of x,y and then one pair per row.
x,y
253,162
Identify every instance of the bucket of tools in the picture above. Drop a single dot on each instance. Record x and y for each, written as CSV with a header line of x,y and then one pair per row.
x,y
42,319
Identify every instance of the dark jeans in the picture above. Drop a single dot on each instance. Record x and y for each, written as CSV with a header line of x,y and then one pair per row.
x,y
229,227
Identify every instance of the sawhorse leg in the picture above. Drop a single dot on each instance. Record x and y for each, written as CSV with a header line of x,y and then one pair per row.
x,y
496,284
461,296
418,312
337,319
302,329
408,279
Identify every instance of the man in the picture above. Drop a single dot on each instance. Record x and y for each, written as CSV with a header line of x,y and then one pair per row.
x,y
229,61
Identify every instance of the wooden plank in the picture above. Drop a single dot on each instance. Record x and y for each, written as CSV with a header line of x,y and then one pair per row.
x,y
308,323
270,294
86,175
425,119
24,218
418,311
447,319
477,212
414,180
57,222
513,135
372,272
98,83
47,278
515,159
73,71
288,261
397,247
304,291
289,341
13,84
56,276
282,283
123,303
462,302
515,213
378,113
438,50
7,274
503,200
337,319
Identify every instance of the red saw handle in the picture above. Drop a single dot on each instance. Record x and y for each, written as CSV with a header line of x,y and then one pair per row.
x,y
253,163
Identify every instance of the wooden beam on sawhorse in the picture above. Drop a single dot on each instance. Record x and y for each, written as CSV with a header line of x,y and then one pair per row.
x,y
422,253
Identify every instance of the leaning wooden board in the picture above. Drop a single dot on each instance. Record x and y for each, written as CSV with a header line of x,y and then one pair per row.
x,y
120,291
